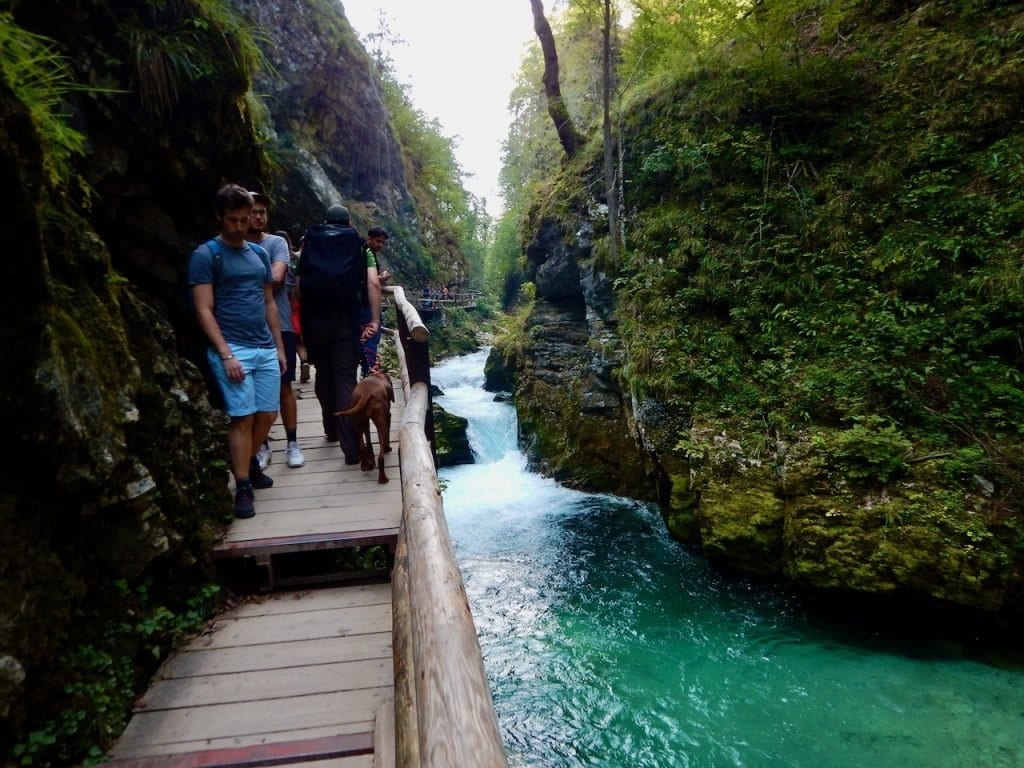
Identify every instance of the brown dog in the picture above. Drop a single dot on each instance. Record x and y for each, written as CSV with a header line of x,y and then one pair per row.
x,y
371,401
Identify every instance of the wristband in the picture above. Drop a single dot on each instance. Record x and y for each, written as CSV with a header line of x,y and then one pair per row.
x,y
226,358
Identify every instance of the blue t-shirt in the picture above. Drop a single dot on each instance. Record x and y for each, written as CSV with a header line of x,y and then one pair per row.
x,y
277,247
238,282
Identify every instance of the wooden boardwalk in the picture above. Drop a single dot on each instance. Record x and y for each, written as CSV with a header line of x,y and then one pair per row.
x,y
296,678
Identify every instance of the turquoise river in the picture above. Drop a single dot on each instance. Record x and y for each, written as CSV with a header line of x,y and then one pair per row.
x,y
609,644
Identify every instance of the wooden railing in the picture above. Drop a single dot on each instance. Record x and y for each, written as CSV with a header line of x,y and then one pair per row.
x,y
444,714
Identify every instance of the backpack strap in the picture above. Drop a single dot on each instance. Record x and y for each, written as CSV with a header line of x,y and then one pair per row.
x,y
216,259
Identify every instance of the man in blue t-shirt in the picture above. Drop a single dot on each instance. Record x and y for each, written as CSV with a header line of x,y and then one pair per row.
x,y
232,289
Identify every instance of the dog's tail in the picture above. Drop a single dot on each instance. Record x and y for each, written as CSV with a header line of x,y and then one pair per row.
x,y
357,407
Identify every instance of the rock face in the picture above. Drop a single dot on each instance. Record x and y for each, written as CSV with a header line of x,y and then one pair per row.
x,y
117,468
330,135
316,75
572,415
792,513
451,438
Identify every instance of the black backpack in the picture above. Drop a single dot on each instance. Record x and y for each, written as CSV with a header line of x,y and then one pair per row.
x,y
332,270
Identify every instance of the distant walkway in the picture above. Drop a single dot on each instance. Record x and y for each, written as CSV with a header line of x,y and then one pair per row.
x,y
435,302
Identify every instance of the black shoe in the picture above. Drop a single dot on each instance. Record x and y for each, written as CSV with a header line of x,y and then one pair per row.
x,y
331,438
259,480
244,503
350,461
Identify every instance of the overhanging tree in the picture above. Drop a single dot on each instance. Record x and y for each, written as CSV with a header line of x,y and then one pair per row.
x,y
570,138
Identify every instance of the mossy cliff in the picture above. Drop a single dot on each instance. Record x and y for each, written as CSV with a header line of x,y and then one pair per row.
x,y
118,122
810,350
114,482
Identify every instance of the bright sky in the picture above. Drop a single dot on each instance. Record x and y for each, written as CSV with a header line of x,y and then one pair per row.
x,y
460,57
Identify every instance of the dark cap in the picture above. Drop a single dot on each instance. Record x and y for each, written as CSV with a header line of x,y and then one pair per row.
x,y
337,214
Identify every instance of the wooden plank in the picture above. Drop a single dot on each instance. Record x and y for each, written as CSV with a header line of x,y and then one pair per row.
x,y
203,745
360,620
304,601
249,718
384,737
310,542
266,684
318,514
286,655
348,478
354,502
358,761
319,522
279,753
350,493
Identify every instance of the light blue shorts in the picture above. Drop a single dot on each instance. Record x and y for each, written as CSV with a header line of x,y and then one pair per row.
x,y
259,389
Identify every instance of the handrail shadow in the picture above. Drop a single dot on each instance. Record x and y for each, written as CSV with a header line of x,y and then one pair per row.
x,y
444,713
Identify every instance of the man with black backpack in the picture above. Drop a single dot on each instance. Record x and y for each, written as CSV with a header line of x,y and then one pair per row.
x,y
333,281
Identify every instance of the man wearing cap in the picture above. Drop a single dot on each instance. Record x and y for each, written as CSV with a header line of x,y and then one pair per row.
x,y
280,260
332,331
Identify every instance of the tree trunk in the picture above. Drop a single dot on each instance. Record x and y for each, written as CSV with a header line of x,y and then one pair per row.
x,y
569,137
611,189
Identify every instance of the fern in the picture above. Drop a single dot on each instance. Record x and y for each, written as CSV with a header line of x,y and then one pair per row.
x,y
39,77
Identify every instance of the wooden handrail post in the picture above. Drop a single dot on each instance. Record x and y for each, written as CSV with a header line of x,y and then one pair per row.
x,y
407,744
444,714
413,337
456,722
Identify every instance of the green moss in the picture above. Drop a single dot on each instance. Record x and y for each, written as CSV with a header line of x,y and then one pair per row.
x,y
741,523
450,439
682,510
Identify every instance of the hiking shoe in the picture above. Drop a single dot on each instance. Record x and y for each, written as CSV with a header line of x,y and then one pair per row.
x,y
259,480
295,457
244,503
264,455
304,372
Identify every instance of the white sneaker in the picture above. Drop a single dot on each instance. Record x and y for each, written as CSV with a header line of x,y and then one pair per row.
x,y
264,455
295,457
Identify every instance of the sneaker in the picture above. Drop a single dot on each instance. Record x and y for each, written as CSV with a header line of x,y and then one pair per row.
x,y
304,372
259,480
264,455
244,503
295,457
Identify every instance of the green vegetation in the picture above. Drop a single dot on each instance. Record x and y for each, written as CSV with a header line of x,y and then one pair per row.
x,y
456,332
823,216
39,77
826,238
107,664
179,45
